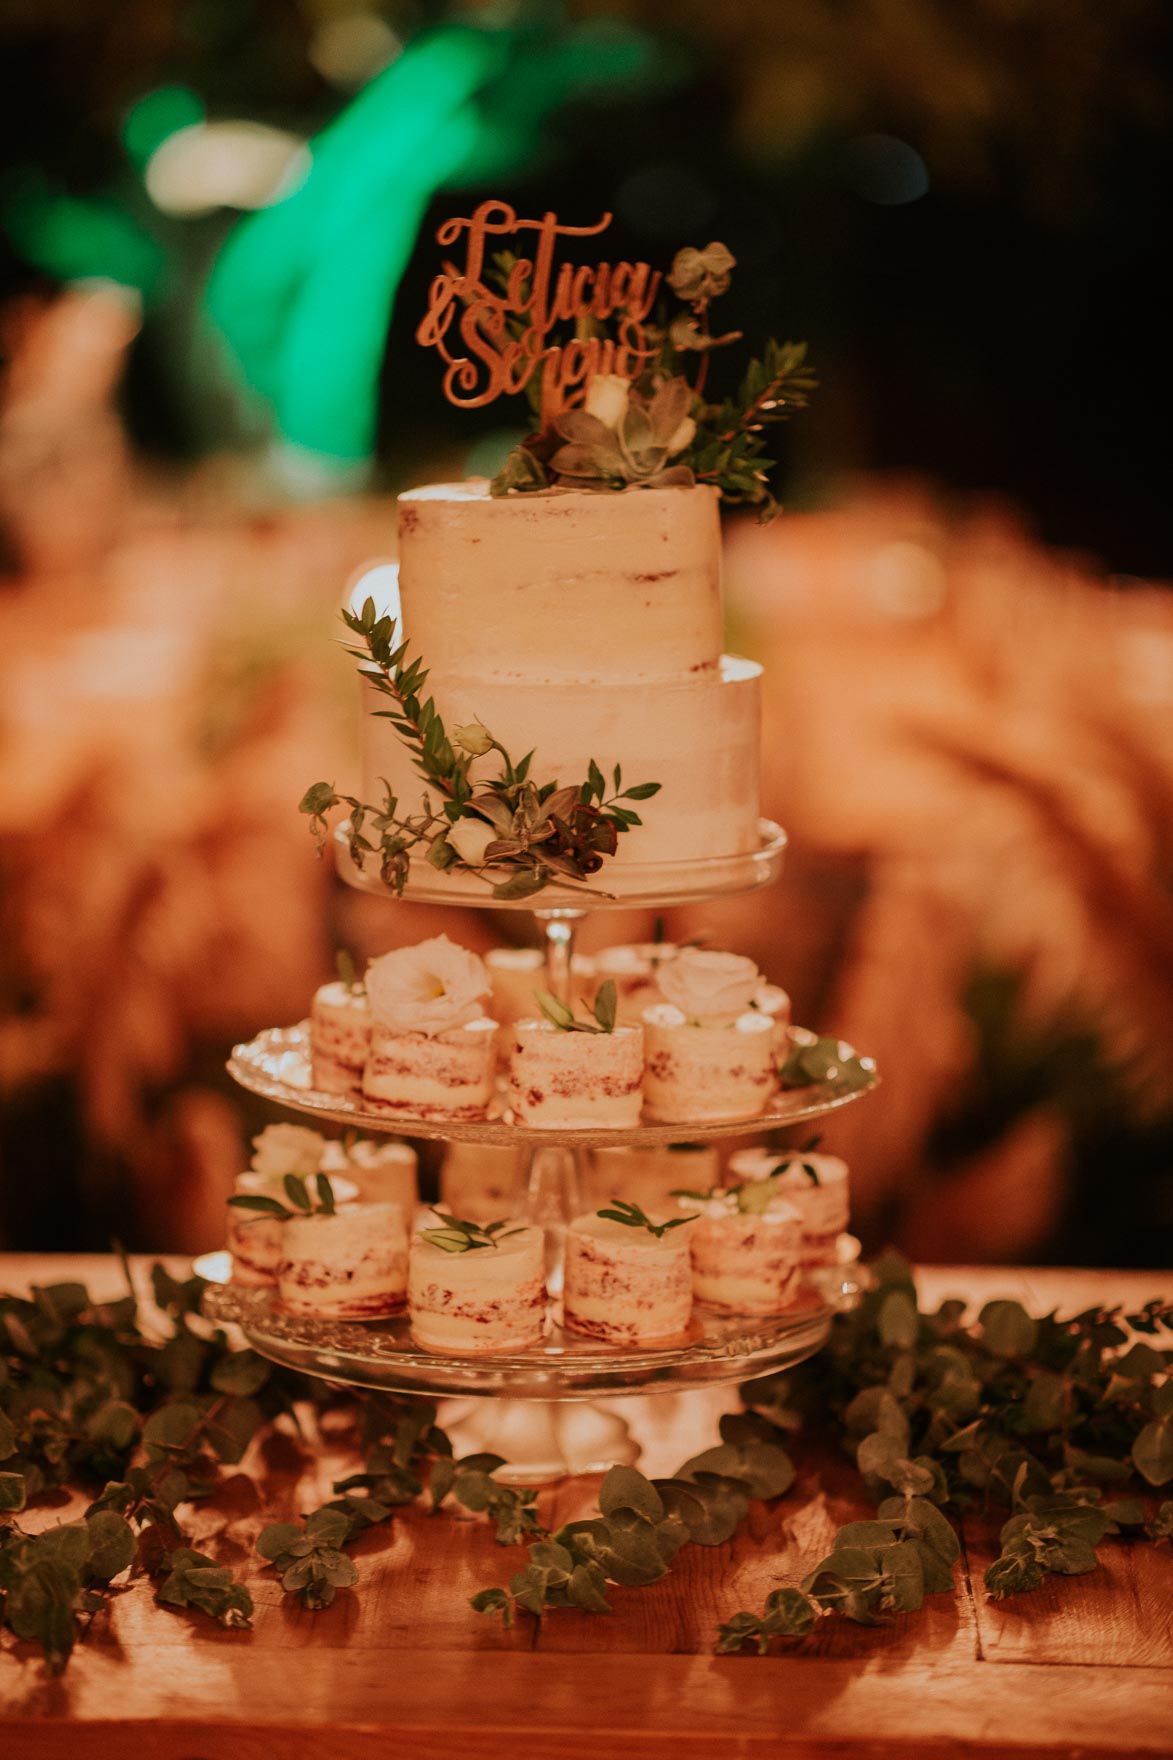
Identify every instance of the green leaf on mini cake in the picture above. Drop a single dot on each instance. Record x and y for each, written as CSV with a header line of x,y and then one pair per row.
x,y
562,1016
323,1203
631,1216
348,971
457,1235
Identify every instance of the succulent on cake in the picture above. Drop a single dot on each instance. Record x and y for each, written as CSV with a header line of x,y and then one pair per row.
x,y
515,833
658,430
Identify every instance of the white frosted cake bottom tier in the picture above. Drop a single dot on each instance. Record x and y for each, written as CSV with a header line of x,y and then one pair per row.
x,y
698,736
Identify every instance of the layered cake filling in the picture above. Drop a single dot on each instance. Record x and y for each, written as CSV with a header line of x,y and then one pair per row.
x,y
816,1185
745,1261
488,1298
340,1036
568,1080
347,1265
625,1285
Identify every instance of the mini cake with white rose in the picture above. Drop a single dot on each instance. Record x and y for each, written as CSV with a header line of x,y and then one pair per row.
x,y
340,1035
344,1263
383,1171
746,1248
627,1277
569,1073
474,1287
432,1052
710,1053
816,1185
254,1231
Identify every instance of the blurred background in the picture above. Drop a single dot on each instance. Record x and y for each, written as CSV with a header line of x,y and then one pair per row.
x,y
217,229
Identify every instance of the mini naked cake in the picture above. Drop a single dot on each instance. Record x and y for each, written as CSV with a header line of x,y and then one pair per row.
x,y
633,968
651,1177
340,1037
432,1051
350,1264
382,1172
254,1237
710,1053
561,1079
746,1248
477,1289
624,1284
482,1180
816,1185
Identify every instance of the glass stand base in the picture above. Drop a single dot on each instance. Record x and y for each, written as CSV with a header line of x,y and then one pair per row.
x,y
541,1440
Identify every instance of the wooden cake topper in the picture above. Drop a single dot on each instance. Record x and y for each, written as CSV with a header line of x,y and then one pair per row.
x,y
505,335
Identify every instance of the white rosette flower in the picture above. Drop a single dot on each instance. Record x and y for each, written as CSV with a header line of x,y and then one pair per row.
x,y
430,988
709,986
287,1148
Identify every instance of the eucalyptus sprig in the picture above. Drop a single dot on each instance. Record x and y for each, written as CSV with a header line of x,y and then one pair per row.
x,y
459,1236
631,1216
562,1016
348,971
321,1202
515,834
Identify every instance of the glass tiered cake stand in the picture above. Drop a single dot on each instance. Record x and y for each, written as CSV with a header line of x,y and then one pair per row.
x,y
538,1406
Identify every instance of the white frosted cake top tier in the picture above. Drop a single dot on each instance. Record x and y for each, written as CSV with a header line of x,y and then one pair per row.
x,y
562,585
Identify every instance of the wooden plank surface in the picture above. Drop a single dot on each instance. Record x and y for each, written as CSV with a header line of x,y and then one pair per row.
x,y
1083,1665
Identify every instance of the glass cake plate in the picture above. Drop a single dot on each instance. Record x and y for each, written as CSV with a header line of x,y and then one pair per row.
x,y
631,885
276,1065
563,1367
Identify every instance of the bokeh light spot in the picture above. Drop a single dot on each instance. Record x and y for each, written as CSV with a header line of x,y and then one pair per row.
x,y
884,170
155,116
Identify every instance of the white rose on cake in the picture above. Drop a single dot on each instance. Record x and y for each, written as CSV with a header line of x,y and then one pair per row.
x,y
709,986
429,988
287,1148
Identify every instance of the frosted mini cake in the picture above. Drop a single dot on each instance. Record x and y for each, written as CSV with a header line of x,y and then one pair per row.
x,y
432,1045
817,1187
349,1264
572,1074
477,1289
650,1177
710,1053
340,1037
382,1171
254,1232
633,967
627,1282
745,1249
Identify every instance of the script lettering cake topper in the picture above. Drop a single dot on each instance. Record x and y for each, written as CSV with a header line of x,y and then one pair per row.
x,y
506,333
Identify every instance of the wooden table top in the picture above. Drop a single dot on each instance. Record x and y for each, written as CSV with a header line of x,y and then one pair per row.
x,y
404,1667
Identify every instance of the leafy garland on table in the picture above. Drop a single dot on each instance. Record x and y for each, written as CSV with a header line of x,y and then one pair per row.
x,y
515,834
1032,1417
658,431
